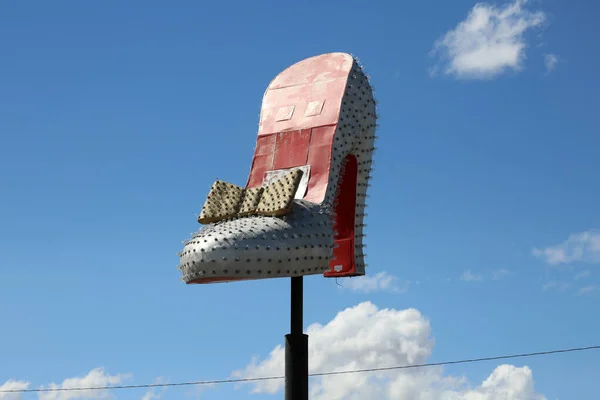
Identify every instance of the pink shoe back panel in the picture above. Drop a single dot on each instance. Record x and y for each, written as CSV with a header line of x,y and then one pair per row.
x,y
306,95
300,111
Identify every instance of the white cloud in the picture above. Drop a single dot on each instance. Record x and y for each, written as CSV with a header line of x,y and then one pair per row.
x,y
379,282
582,274
582,247
150,395
95,378
364,337
550,61
155,393
12,385
468,276
559,286
488,42
500,274
588,290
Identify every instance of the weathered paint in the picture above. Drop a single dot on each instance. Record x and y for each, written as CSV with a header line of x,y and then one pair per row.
x,y
318,113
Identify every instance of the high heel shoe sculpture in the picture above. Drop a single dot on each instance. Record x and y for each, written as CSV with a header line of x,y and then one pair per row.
x,y
301,211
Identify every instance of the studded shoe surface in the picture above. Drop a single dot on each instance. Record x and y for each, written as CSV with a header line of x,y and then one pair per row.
x,y
318,116
257,247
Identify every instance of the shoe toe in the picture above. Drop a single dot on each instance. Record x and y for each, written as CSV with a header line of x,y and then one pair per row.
x,y
259,247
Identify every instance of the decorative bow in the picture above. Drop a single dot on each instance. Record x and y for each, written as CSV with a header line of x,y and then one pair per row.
x,y
226,200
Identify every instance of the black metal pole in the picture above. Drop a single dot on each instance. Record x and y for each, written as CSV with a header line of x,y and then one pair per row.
x,y
296,348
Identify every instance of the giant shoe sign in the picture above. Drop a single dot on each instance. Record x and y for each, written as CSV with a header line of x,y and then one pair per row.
x,y
302,209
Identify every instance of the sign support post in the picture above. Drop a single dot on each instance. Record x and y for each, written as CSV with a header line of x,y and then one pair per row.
x,y
296,347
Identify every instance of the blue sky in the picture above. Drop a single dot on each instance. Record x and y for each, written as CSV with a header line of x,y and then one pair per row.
x,y
116,117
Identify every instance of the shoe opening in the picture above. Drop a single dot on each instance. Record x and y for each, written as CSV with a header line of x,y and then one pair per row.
x,y
345,212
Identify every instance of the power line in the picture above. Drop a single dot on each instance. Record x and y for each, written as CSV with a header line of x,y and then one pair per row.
x,y
270,378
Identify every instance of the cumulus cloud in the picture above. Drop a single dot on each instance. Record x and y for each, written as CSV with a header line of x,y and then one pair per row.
x,y
489,42
579,247
12,385
380,282
550,61
365,336
95,378
469,276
